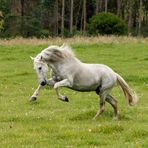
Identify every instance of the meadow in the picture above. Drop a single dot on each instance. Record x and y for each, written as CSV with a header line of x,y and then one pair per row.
x,y
51,123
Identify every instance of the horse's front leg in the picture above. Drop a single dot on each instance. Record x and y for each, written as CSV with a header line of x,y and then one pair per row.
x,y
63,83
35,94
49,82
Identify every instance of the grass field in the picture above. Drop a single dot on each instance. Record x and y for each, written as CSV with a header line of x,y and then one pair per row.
x,y
55,124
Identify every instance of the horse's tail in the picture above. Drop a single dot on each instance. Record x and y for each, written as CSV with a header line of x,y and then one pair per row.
x,y
130,95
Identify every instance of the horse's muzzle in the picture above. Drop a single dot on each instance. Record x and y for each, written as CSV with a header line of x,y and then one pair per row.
x,y
43,83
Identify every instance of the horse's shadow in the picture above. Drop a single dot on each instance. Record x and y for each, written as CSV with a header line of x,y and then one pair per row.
x,y
89,115
106,115
83,116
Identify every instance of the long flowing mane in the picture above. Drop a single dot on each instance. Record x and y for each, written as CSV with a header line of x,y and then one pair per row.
x,y
66,49
56,53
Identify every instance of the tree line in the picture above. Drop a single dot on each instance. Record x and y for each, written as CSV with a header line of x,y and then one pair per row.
x,y
42,18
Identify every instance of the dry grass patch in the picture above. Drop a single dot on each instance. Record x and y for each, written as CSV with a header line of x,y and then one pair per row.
x,y
74,40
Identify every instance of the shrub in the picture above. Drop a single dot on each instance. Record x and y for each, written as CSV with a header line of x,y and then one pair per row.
x,y
106,23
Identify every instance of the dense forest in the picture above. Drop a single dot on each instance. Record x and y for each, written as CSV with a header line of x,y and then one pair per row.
x,y
43,18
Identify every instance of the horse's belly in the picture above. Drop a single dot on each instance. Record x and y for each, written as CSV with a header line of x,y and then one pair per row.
x,y
80,87
86,82
84,89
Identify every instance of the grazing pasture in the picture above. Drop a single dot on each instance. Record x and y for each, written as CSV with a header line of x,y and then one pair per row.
x,y
49,122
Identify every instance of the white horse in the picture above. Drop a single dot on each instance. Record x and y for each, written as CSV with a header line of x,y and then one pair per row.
x,y
68,71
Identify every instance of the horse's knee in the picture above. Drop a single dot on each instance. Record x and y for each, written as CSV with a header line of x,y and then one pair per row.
x,y
102,106
102,109
56,85
51,82
115,103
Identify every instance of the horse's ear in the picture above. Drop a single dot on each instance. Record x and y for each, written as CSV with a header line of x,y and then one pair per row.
x,y
41,58
32,58
64,44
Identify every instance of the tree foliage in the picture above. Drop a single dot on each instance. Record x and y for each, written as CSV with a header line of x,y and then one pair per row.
x,y
106,23
42,18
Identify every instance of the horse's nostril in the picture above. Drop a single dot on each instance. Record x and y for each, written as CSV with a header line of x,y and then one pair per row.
x,y
43,83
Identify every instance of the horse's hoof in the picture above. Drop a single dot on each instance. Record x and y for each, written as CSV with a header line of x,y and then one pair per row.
x,y
66,99
33,99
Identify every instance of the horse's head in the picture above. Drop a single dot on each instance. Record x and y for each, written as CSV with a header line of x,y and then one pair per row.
x,y
52,55
41,68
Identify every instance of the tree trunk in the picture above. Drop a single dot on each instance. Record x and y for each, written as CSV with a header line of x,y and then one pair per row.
x,y
62,21
119,3
97,6
101,6
84,15
71,17
22,16
140,18
130,16
106,5
57,16
78,15
81,26
54,22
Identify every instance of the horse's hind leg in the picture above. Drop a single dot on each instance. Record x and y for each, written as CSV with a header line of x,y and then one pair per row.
x,y
102,104
113,103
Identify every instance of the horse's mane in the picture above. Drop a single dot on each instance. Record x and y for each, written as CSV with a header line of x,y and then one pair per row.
x,y
57,53
66,50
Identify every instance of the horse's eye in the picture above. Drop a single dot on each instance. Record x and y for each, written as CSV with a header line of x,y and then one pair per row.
x,y
40,68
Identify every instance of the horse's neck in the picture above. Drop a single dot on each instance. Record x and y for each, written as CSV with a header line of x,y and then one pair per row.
x,y
54,68
57,66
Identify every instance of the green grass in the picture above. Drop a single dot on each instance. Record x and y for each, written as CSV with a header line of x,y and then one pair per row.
x,y
52,123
